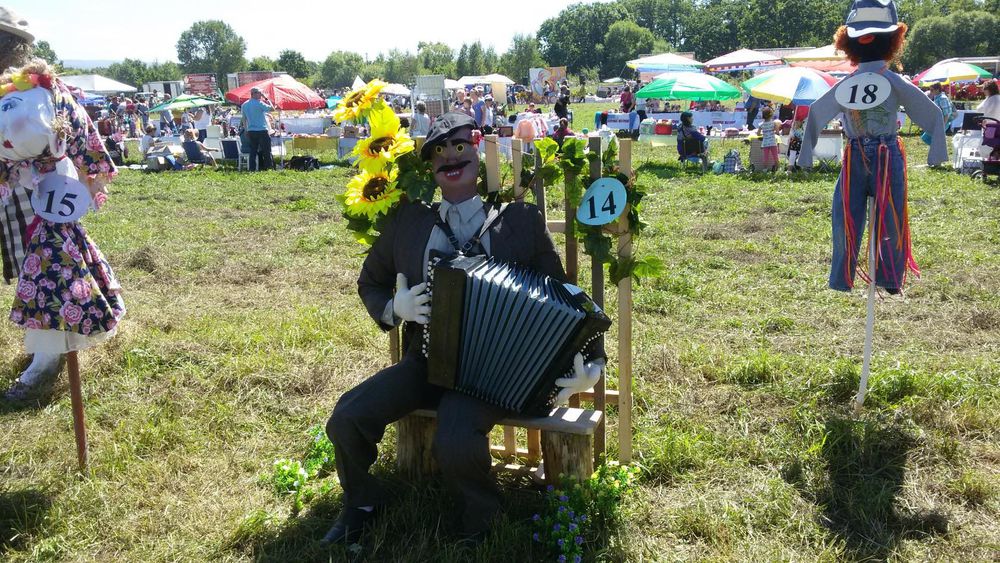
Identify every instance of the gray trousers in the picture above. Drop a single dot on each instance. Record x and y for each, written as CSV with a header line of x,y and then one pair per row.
x,y
461,442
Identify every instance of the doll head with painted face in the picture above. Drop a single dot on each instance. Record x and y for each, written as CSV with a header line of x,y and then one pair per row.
x,y
453,156
872,32
42,125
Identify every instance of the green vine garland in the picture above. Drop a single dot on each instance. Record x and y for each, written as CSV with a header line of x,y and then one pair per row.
x,y
571,163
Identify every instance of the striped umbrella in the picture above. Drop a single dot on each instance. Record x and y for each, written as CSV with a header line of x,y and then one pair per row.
x,y
688,86
946,72
796,85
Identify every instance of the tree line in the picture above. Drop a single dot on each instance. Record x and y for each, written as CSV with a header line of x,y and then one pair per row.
x,y
593,40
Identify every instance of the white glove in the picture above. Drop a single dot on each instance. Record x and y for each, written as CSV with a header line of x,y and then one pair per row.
x,y
585,376
411,304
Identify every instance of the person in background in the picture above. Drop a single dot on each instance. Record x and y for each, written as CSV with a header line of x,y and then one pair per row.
x,y
687,130
769,139
560,107
467,108
795,142
148,140
198,153
459,98
142,109
941,100
627,100
202,119
166,122
991,105
255,112
489,114
531,108
753,107
477,106
562,131
420,124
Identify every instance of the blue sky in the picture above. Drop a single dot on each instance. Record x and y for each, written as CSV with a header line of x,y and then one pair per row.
x,y
114,30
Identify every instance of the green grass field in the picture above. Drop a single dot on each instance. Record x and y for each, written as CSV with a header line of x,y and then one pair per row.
x,y
244,327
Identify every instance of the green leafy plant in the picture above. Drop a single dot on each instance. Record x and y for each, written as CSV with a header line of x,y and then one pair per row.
x,y
319,458
578,513
288,476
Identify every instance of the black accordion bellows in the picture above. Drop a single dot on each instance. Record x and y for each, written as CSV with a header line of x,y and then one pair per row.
x,y
503,333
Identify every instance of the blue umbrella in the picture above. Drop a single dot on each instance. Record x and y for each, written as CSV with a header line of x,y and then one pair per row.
x,y
332,101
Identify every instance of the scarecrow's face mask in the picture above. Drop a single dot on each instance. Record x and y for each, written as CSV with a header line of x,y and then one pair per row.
x,y
455,161
26,124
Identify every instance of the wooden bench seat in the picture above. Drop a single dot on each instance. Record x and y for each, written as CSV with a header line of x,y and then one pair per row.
x,y
566,440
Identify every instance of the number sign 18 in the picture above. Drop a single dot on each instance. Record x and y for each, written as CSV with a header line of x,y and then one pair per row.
x,y
60,199
603,203
863,91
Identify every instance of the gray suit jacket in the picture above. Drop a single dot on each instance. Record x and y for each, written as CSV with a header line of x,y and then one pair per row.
x,y
518,236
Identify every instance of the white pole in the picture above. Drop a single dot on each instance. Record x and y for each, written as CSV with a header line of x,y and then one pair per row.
x,y
870,322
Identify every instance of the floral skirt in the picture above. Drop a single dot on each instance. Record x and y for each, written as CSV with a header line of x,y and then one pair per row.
x,y
66,286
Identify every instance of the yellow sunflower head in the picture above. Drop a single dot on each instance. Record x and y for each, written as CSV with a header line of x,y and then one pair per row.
x,y
357,103
372,194
386,143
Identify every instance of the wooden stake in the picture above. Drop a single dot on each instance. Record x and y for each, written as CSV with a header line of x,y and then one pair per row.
x,y
597,294
866,363
76,397
492,164
625,322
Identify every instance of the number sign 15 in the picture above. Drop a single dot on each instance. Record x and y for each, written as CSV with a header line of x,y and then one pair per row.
x,y
60,199
863,91
603,203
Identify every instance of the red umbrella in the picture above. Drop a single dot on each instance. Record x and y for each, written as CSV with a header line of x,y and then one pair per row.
x,y
285,93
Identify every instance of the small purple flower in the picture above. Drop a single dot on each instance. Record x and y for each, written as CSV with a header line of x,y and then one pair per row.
x,y
577,559
562,509
562,559
572,514
536,537
561,542
583,517
578,540
556,527
563,498
550,488
572,527
536,518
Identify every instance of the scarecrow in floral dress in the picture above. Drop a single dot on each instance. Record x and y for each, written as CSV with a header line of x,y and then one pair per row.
x,y
67,297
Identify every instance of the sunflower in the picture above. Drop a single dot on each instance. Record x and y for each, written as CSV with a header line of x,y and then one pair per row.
x,y
386,143
372,194
357,103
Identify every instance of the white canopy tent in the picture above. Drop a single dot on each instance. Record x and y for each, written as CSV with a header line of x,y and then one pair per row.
x,y
664,62
358,83
824,53
97,84
485,79
396,89
742,59
452,84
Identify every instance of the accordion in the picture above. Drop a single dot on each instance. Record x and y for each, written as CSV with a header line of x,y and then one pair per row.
x,y
503,333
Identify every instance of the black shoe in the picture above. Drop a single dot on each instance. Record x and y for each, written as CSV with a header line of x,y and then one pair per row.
x,y
349,526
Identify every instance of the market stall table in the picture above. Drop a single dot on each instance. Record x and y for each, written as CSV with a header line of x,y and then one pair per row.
x,y
315,143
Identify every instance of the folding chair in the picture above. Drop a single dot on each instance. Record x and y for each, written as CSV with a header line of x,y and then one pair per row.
x,y
231,150
691,151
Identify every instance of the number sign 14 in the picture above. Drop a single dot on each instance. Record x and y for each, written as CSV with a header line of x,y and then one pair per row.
x,y
603,203
863,91
60,199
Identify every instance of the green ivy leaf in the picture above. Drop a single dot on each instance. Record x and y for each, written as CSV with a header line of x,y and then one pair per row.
x,y
547,149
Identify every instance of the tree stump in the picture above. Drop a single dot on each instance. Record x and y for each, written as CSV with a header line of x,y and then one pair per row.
x,y
570,455
414,438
